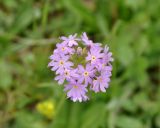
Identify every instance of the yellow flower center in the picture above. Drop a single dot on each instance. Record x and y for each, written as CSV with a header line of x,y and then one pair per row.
x,y
93,58
75,86
67,73
63,48
86,73
61,62
103,65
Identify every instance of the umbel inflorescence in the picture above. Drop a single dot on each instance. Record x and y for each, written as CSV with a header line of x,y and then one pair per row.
x,y
81,65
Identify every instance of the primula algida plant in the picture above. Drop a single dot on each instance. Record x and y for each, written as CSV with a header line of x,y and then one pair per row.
x,y
82,65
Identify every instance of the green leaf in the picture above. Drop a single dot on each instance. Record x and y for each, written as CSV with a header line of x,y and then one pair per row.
x,y
5,75
135,4
61,120
158,121
26,119
102,24
75,110
125,54
128,122
94,116
129,105
23,18
80,11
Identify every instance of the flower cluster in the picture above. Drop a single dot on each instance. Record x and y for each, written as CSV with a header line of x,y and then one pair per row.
x,y
82,65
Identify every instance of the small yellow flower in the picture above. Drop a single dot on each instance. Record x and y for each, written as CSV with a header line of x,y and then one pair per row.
x,y
47,108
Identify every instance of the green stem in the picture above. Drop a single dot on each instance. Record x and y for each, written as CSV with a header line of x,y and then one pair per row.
x,y
62,100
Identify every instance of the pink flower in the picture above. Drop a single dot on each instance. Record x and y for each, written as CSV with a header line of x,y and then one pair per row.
x,y
94,55
82,65
108,55
60,63
68,74
88,42
71,40
86,74
64,49
101,83
76,91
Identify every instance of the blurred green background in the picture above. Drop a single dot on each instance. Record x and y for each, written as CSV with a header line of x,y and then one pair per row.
x,y
29,30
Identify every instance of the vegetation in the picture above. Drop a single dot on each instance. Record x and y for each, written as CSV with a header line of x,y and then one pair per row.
x,y
29,30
